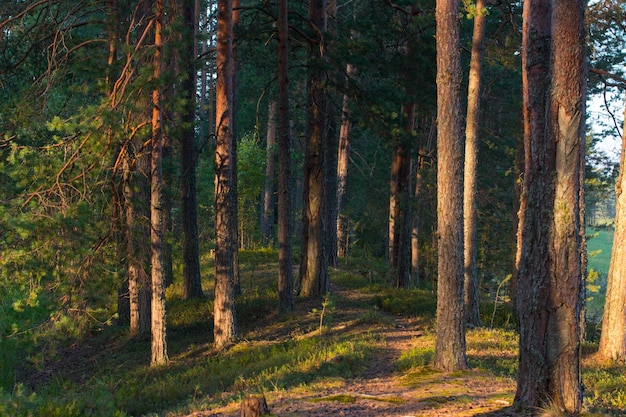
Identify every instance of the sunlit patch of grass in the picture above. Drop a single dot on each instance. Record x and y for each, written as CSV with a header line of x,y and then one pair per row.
x,y
605,387
246,367
493,350
408,303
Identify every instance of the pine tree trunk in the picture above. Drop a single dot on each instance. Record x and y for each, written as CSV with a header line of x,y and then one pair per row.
x,y
569,93
450,339
267,220
159,343
343,158
225,327
137,235
313,280
550,258
533,264
472,312
285,251
192,285
613,337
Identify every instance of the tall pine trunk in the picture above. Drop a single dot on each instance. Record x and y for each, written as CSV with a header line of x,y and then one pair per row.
x,y
343,158
400,202
267,219
550,242
225,326
285,250
450,340
314,280
136,177
192,286
613,337
472,312
158,325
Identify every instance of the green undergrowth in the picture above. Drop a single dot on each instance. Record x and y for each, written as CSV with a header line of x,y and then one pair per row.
x,y
322,345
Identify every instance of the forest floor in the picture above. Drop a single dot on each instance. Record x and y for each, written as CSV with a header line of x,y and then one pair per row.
x,y
365,350
384,390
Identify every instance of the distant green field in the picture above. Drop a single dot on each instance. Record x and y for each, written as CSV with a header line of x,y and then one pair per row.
x,y
599,244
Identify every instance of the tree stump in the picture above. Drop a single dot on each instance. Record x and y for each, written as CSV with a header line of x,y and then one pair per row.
x,y
254,406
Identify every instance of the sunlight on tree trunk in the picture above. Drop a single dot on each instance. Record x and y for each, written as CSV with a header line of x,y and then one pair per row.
x,y
450,344
550,245
613,337
471,293
313,279
225,326
159,344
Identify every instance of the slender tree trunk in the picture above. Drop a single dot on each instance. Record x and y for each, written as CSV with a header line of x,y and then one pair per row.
x,y
400,207
550,263
118,201
159,342
330,149
533,264
137,195
314,280
267,220
192,285
613,337
343,158
285,251
450,340
235,193
472,312
225,326
204,122
415,251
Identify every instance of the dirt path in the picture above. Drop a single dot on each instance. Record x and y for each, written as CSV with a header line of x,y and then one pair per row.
x,y
382,391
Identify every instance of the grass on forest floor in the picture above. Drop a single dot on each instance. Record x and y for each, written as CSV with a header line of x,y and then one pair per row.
x,y
305,351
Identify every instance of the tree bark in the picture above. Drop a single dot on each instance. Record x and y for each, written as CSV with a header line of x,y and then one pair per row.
x,y
569,94
192,285
450,339
225,327
472,312
343,158
613,336
550,260
267,220
137,234
158,324
285,250
400,218
313,279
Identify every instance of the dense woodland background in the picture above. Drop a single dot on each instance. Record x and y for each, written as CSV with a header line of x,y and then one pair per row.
x,y
86,87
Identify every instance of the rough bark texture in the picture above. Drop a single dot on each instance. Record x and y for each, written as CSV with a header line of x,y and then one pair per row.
x,y
343,157
136,196
254,406
400,218
415,223
568,239
533,263
225,328
613,337
550,241
159,342
314,280
450,340
471,293
285,251
267,220
192,286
